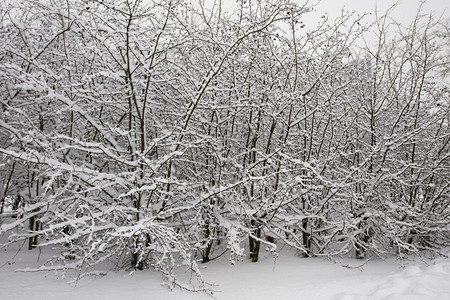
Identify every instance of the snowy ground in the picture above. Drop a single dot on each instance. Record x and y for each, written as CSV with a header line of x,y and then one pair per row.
x,y
291,277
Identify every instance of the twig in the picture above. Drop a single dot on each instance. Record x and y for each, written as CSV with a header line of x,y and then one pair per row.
x,y
359,267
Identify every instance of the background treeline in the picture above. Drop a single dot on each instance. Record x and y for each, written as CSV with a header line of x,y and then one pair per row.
x,y
157,133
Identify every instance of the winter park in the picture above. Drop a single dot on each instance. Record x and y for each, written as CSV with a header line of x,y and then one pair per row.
x,y
224,149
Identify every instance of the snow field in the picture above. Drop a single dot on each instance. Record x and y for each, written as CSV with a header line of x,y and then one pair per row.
x,y
413,283
290,277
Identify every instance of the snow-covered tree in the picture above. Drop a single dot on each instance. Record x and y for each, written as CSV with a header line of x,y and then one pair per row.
x,y
160,133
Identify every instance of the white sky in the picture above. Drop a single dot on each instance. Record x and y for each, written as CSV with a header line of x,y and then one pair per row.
x,y
404,13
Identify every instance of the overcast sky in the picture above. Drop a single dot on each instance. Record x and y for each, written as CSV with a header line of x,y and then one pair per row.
x,y
404,13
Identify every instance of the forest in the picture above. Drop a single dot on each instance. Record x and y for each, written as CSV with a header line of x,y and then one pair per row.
x,y
162,134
